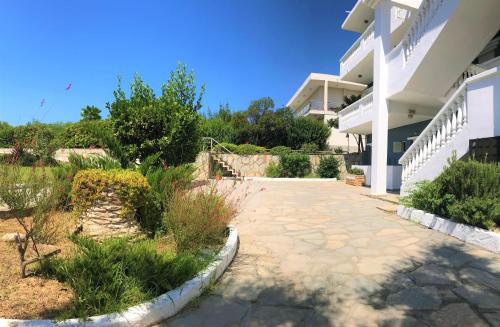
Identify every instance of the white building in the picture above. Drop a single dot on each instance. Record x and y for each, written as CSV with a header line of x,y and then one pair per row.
x,y
321,96
434,68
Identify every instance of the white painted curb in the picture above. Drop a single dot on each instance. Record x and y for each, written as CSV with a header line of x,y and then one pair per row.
x,y
158,309
469,234
282,179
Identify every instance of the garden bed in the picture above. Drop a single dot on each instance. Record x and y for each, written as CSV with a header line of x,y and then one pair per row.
x,y
164,306
35,296
488,240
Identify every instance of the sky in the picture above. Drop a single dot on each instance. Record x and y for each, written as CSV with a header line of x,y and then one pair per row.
x,y
240,49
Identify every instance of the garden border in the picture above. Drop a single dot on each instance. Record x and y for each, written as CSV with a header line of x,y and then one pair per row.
x,y
158,309
469,234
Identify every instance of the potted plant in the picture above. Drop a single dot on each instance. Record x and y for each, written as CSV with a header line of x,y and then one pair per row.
x,y
356,177
218,174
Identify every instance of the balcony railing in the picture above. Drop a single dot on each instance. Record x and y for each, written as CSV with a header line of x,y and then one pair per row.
x,y
450,120
347,62
425,13
316,105
361,107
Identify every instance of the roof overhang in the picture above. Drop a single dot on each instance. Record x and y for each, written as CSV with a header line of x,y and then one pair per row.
x,y
316,80
360,16
363,13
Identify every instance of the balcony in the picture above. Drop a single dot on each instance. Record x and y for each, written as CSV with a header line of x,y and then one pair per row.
x,y
360,52
357,117
316,108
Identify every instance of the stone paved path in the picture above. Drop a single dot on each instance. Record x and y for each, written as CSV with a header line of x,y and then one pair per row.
x,y
314,254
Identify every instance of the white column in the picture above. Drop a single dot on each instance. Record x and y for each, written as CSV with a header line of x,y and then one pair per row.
x,y
325,97
382,46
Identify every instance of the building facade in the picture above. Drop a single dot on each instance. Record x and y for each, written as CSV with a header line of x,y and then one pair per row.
x,y
433,84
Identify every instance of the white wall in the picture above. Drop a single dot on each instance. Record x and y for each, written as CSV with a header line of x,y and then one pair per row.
x,y
393,176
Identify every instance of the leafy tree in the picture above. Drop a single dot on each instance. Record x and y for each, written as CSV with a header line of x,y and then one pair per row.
x,y
308,130
90,113
169,124
218,125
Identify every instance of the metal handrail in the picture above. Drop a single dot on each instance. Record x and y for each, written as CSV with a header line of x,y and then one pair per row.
x,y
212,141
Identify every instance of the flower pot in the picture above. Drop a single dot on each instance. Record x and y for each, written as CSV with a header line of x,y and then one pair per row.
x,y
218,177
355,180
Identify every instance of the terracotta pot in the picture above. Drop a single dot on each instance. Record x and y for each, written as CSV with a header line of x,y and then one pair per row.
x,y
218,177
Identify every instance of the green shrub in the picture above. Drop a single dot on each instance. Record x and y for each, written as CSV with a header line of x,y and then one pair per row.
x,y
328,167
40,141
116,274
244,149
6,135
466,191
86,134
309,148
222,147
131,187
295,164
198,219
80,162
280,150
274,170
338,150
356,171
476,211
165,181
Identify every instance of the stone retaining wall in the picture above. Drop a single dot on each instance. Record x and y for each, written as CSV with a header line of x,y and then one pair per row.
x,y
105,218
255,165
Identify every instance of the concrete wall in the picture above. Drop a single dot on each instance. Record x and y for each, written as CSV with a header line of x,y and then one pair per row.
x,y
255,165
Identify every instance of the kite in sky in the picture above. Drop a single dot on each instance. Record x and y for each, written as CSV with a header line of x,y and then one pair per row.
x,y
42,102
68,87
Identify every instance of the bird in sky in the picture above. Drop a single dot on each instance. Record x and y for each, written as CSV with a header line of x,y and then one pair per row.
x,y
68,87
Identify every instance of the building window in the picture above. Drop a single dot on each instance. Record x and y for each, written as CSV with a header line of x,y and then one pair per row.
x,y
397,147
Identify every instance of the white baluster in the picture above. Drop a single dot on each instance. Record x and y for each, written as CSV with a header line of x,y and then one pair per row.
x,y
464,110
448,126
429,146
438,135
443,130
453,119
433,141
460,122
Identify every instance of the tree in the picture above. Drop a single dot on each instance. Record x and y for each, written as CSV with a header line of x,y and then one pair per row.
x,y
90,113
308,130
169,124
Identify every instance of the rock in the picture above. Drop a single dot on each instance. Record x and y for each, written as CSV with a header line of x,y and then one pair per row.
x,y
481,277
433,275
457,314
480,296
11,237
416,298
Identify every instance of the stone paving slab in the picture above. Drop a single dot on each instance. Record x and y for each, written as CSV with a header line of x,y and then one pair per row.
x,y
324,255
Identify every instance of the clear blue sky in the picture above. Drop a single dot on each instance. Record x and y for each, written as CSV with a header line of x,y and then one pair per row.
x,y
241,50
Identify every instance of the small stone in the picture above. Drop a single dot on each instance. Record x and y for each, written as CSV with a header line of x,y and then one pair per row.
x,y
416,298
479,296
457,314
11,237
481,277
433,275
